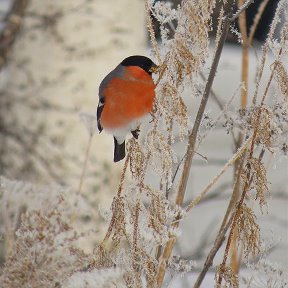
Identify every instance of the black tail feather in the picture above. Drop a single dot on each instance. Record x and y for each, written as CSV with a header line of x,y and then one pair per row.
x,y
119,150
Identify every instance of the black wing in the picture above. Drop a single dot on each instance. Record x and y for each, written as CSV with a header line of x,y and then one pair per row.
x,y
99,111
117,72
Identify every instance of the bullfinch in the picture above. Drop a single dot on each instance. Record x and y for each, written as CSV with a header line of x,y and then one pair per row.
x,y
126,96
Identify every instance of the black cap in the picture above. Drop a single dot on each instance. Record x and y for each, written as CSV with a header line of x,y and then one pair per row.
x,y
141,61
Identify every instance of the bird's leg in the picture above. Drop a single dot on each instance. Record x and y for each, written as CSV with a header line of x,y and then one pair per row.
x,y
136,132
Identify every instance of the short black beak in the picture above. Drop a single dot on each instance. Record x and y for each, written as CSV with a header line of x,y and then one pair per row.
x,y
154,69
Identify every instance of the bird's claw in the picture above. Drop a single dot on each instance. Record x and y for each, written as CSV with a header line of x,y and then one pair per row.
x,y
135,133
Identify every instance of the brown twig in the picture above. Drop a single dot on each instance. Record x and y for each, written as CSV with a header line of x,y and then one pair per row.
x,y
120,188
241,10
249,177
246,43
190,152
220,237
236,156
244,100
233,198
256,21
236,214
265,52
209,260
137,210
193,136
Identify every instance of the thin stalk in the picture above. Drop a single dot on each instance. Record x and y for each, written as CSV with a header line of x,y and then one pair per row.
x,y
233,198
249,178
193,136
244,100
246,43
136,234
151,32
245,56
120,188
236,156
209,260
256,21
190,150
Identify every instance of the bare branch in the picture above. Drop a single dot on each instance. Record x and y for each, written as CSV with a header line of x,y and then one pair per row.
x,y
241,9
256,21
209,260
217,177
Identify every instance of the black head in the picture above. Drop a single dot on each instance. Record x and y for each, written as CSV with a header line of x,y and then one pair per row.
x,y
141,61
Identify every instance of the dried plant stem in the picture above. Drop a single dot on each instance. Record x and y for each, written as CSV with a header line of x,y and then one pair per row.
x,y
236,214
165,257
241,10
233,198
245,56
137,212
235,259
236,156
244,100
246,43
166,188
213,94
120,188
219,239
152,33
256,21
135,230
169,141
238,167
265,51
237,177
269,82
193,136
249,178
190,151
85,164
209,260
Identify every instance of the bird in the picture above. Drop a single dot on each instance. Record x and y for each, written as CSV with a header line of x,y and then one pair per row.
x,y
126,96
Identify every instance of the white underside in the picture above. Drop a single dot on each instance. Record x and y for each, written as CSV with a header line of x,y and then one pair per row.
x,y
121,133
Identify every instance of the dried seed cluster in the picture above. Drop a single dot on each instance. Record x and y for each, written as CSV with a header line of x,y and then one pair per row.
x,y
248,231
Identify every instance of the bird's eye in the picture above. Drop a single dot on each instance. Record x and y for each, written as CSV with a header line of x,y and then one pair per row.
x,y
102,100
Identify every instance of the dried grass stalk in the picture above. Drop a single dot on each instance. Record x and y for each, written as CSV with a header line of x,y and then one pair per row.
x,y
281,77
248,231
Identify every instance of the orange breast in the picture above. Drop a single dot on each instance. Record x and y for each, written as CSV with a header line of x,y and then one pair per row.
x,y
127,98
